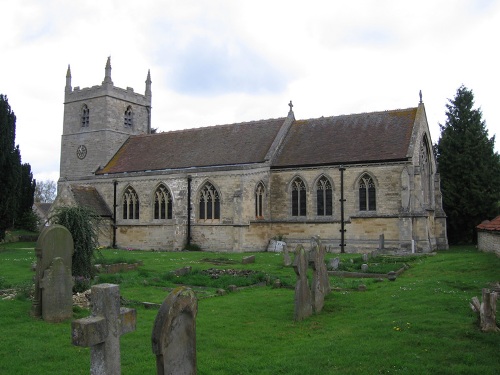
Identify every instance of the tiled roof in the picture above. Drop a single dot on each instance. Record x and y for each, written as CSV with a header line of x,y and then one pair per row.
x,y
493,225
240,143
364,137
88,196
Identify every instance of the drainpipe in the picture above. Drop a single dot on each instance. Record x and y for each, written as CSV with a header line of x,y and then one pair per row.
x,y
342,200
115,183
188,240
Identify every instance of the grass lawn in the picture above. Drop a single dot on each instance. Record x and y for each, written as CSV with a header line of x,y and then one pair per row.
x,y
419,324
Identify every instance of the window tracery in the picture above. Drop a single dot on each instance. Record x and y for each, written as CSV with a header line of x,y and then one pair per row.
x,y
324,201
259,201
163,203
299,202
209,203
130,204
367,194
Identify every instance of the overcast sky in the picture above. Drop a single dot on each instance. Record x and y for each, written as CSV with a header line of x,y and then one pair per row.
x,y
223,61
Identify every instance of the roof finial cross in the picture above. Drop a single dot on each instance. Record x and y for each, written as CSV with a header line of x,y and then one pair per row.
x,y
290,105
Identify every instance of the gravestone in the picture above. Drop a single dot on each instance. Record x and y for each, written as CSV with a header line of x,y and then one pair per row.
x,y
320,281
334,263
381,240
174,333
55,241
57,292
102,330
249,259
303,307
287,261
364,267
365,257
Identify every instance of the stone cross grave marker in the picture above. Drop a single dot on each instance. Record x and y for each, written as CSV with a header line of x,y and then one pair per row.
x,y
53,286
303,307
174,333
102,330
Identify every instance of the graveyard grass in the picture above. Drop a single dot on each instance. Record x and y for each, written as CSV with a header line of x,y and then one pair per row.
x,y
419,324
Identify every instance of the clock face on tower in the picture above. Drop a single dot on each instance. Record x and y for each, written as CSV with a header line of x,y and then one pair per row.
x,y
81,152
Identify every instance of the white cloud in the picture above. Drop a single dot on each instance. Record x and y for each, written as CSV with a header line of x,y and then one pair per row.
x,y
221,61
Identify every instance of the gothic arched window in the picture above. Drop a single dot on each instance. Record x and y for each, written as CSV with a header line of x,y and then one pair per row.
x,y
298,197
324,201
85,116
425,170
163,203
259,201
367,197
209,203
130,204
127,120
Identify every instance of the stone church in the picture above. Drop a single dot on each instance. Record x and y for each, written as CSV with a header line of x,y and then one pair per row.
x,y
359,181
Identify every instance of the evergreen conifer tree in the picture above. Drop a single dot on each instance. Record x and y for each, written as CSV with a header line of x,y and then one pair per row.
x,y
16,180
469,168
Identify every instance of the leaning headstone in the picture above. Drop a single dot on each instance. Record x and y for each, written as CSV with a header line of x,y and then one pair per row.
x,y
303,307
55,241
174,334
248,259
57,292
102,330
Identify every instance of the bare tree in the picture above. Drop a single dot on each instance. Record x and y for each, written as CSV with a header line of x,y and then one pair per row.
x,y
45,191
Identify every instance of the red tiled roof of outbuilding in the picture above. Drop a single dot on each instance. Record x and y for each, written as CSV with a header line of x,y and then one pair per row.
x,y
493,225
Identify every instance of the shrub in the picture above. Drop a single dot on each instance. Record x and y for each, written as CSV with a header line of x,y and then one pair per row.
x,y
83,224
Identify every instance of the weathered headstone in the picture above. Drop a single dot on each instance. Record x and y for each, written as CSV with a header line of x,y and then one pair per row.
x,y
303,307
486,310
249,259
57,292
364,267
287,261
55,241
102,330
365,256
174,333
320,281
334,263
381,241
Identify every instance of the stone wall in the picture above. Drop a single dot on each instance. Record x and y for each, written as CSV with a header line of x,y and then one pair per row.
x,y
489,242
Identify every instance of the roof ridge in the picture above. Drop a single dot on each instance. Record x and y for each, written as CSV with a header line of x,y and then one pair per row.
x,y
211,126
360,113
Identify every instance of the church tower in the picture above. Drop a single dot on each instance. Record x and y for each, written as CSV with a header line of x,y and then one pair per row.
x,y
97,121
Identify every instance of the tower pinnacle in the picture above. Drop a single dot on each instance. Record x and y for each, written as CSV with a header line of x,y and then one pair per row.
x,y
107,76
68,80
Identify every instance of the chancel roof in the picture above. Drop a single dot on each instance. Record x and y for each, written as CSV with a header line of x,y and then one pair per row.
x,y
357,138
364,137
